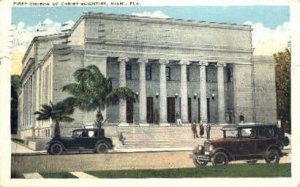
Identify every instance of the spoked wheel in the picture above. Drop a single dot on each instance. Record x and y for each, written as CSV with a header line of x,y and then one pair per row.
x,y
56,149
199,163
220,159
272,157
101,148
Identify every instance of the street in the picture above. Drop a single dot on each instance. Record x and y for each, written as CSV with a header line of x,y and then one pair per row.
x,y
111,161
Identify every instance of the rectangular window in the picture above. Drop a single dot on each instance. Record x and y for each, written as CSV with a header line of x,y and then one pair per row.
x,y
248,133
128,72
168,73
148,72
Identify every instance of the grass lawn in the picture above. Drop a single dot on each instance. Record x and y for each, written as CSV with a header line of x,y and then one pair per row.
x,y
233,170
57,175
17,175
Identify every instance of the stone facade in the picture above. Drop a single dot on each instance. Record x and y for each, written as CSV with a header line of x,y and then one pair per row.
x,y
201,70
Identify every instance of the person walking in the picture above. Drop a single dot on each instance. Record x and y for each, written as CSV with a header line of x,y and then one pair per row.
x,y
178,119
194,130
201,129
208,131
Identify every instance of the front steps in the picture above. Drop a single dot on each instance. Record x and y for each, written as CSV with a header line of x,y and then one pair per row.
x,y
156,137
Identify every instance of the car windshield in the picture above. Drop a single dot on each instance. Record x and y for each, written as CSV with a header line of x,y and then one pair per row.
x,y
232,133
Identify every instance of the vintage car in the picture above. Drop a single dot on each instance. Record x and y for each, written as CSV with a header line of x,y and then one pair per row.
x,y
244,141
81,140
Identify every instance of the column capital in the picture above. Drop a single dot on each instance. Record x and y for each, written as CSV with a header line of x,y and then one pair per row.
x,y
142,60
203,62
123,59
184,62
163,61
221,63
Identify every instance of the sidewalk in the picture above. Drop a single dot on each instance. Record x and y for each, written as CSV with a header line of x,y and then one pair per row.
x,y
18,148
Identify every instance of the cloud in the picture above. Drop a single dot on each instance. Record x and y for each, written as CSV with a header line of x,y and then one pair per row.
x,y
156,14
268,41
23,35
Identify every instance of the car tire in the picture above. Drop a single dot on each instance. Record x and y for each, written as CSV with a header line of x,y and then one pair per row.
x,y
56,149
199,163
220,159
272,156
101,148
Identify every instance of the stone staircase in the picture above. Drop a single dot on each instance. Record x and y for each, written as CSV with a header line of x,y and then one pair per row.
x,y
148,137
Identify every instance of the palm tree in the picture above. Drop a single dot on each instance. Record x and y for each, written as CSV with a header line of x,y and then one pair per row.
x,y
58,112
92,91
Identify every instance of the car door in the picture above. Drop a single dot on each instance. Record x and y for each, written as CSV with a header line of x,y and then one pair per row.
x,y
87,141
266,138
247,142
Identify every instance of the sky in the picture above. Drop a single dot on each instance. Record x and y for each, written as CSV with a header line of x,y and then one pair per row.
x,y
271,24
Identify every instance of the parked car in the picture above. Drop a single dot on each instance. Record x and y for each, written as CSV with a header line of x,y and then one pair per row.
x,y
248,141
81,140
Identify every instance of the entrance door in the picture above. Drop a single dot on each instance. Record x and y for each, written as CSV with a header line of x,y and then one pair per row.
x,y
171,109
190,109
129,111
208,110
149,109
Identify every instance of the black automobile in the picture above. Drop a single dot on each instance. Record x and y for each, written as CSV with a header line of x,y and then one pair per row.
x,y
248,141
81,140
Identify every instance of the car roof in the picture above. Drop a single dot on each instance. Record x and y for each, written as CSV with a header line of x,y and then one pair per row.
x,y
247,125
89,129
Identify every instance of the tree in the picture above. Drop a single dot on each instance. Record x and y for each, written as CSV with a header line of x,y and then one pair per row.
x,y
57,112
283,87
15,90
92,91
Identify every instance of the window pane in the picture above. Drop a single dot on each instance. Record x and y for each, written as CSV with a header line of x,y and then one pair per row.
x,y
148,73
168,73
248,133
128,72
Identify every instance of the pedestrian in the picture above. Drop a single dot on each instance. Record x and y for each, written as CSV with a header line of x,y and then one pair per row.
x,y
178,119
242,118
194,130
201,129
208,131
122,138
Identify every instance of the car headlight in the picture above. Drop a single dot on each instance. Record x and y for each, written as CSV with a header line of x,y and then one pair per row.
x,y
211,147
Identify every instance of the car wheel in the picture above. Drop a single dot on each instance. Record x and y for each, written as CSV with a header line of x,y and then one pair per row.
x,y
199,163
56,149
101,148
220,159
272,156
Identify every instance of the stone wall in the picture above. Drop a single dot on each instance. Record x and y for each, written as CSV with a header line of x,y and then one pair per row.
x,y
265,89
243,92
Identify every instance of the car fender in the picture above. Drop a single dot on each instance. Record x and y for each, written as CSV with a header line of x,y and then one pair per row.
x,y
274,146
102,141
214,151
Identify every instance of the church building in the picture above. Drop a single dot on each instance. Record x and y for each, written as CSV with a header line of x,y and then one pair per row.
x,y
198,70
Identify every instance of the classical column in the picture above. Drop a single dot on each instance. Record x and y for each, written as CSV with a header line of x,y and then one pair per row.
x,y
221,92
142,92
203,101
162,92
183,92
122,83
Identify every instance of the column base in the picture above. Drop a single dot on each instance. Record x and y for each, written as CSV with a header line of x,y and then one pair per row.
x,y
123,124
144,124
164,124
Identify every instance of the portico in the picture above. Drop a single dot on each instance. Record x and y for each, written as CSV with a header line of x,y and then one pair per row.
x,y
166,67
